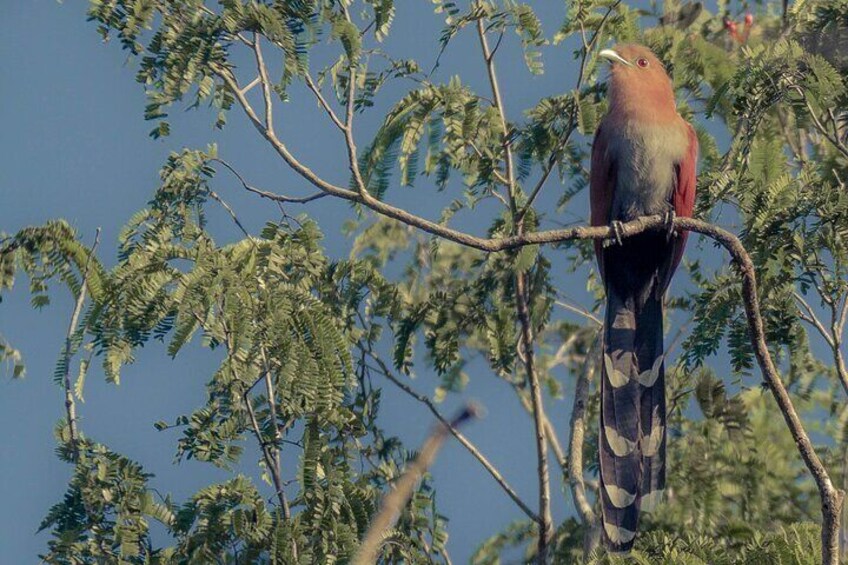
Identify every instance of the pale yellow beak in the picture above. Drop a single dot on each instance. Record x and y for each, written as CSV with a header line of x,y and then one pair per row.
x,y
614,57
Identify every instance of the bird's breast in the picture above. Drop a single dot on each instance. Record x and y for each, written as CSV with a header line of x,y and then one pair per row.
x,y
645,157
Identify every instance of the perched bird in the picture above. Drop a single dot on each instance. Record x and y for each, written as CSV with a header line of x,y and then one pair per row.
x,y
643,163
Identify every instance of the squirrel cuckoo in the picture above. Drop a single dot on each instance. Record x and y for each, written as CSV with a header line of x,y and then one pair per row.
x,y
643,163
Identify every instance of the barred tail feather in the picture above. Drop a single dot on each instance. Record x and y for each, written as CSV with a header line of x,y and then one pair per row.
x,y
620,457
649,352
633,415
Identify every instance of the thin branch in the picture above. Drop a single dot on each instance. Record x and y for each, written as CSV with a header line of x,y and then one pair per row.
x,y
266,83
269,458
546,522
579,310
495,172
272,415
550,432
266,194
809,316
323,101
251,84
832,338
352,153
831,498
217,198
267,455
466,443
546,530
67,354
498,101
395,500
833,139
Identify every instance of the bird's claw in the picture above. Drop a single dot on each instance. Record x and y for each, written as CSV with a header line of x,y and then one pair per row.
x,y
616,238
668,220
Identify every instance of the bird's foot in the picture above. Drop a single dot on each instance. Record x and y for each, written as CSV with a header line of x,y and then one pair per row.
x,y
668,220
616,238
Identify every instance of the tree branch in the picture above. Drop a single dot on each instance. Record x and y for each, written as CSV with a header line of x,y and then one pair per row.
x,y
273,470
266,83
579,310
498,101
323,101
269,195
67,354
352,153
550,432
833,337
546,530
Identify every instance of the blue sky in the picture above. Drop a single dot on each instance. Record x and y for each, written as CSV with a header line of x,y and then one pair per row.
x,y
74,145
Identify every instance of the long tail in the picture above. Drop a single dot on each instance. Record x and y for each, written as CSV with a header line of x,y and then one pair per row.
x,y
633,415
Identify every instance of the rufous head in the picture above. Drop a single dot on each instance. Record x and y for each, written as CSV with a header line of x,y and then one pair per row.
x,y
639,83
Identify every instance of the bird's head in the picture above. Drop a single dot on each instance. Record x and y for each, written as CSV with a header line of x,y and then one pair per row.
x,y
638,82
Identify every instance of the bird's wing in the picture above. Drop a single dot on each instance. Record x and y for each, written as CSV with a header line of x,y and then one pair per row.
x,y
601,187
683,201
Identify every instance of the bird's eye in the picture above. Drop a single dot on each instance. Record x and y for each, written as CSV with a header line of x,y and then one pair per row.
x,y
642,62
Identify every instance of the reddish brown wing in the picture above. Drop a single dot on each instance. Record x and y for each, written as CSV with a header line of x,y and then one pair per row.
x,y
601,187
683,197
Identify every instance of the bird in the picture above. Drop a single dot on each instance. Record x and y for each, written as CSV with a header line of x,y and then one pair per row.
x,y
643,162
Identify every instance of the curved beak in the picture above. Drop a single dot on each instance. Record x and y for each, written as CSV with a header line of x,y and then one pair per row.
x,y
614,57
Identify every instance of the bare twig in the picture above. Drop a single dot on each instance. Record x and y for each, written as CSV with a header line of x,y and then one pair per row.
x,y
265,193
67,354
396,499
272,415
271,462
352,153
217,198
833,338
809,316
251,84
550,432
579,310
266,83
323,101
466,443
271,456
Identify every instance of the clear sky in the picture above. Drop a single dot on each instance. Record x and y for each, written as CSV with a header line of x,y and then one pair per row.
x,y
74,145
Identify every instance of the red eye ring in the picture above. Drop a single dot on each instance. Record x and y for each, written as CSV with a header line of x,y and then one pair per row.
x,y
642,62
